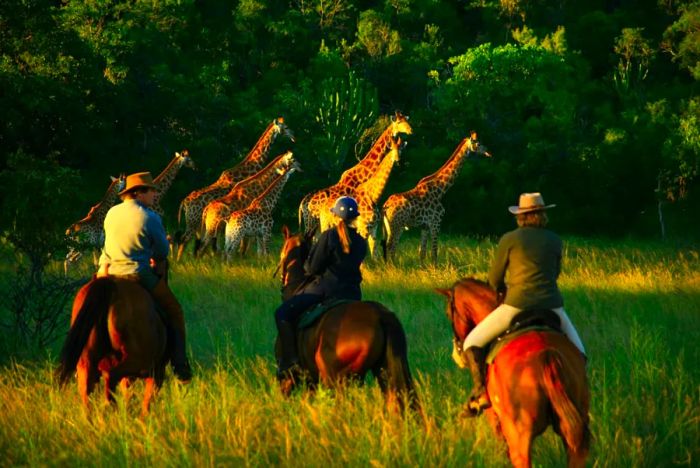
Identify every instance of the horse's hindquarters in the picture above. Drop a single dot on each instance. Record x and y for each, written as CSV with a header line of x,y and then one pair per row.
x,y
349,340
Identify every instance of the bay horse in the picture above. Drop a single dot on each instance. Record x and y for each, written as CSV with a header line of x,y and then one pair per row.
x,y
536,380
117,333
350,339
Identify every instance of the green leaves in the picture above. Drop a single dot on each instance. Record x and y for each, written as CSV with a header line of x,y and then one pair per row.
x,y
347,107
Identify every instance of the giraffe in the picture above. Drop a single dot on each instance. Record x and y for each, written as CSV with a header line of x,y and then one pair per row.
x,y
367,195
255,220
90,229
421,206
194,203
311,205
165,179
240,196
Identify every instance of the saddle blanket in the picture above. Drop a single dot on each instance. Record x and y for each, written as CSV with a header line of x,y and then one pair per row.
x,y
314,313
526,321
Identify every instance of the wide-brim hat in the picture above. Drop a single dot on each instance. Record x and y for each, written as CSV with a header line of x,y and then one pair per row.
x,y
530,202
140,179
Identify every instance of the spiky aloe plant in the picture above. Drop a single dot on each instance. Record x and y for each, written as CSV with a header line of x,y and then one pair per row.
x,y
348,105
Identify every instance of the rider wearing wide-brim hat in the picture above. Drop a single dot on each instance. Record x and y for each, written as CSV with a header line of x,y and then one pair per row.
x,y
136,248
527,260
333,268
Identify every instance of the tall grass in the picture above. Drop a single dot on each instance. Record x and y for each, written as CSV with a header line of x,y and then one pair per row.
x,y
636,305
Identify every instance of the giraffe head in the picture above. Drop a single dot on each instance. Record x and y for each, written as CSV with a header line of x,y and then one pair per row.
x,y
286,163
280,128
475,146
399,124
185,160
121,182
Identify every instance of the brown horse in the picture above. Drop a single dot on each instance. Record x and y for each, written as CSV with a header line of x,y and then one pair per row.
x,y
536,380
115,332
350,339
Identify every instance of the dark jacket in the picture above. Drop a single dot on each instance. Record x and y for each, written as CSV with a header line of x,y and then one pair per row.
x,y
336,274
532,258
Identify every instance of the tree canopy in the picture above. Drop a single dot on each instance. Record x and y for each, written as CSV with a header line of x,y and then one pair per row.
x,y
593,103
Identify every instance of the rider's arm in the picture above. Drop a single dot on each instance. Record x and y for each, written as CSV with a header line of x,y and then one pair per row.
x,y
320,255
497,272
156,232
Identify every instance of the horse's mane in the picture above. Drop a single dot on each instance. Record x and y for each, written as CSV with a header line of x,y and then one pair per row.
x,y
477,287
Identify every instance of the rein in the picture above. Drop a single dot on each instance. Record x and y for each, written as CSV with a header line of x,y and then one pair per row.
x,y
454,315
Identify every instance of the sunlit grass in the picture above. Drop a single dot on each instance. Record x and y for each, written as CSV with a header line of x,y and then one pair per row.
x,y
637,307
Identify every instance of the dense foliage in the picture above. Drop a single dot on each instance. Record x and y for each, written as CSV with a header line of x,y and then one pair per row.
x,y
594,103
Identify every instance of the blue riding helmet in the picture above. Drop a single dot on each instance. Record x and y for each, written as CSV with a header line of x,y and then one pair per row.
x,y
345,208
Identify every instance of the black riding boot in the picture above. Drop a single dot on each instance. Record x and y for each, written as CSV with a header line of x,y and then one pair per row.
x,y
178,358
479,399
288,343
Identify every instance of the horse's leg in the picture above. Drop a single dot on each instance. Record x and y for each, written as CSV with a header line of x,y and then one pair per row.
x,y
519,440
149,391
495,424
87,377
576,458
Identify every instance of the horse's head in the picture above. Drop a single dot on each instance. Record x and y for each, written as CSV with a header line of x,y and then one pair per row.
x,y
468,301
294,251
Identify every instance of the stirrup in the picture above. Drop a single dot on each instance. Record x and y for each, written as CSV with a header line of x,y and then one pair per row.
x,y
476,405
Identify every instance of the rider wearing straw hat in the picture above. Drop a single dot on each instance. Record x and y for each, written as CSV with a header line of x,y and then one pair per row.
x,y
136,248
530,256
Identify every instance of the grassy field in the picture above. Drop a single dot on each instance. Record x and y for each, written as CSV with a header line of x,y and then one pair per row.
x,y
636,305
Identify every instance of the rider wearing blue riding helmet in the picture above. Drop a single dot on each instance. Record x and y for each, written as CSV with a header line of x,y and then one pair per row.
x,y
528,261
333,268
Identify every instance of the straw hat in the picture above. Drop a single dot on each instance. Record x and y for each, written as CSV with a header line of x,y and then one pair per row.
x,y
140,179
530,202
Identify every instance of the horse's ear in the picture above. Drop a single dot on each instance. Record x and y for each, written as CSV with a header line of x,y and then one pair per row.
x,y
285,231
445,292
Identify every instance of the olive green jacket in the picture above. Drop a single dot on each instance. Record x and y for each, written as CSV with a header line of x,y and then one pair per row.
x,y
528,262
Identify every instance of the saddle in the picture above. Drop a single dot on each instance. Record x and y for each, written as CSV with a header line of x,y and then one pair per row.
x,y
311,315
523,322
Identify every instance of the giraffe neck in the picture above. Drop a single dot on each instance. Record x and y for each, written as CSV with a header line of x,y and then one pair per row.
x,y
373,188
255,184
267,200
438,182
165,179
259,152
99,211
364,169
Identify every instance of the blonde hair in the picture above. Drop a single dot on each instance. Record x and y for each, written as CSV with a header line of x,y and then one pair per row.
x,y
532,219
344,235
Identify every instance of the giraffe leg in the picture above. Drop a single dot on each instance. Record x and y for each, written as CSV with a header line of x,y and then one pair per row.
x,y
184,240
423,244
234,236
434,230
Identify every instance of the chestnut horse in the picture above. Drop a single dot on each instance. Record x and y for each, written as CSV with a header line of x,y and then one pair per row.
x,y
115,332
536,380
350,339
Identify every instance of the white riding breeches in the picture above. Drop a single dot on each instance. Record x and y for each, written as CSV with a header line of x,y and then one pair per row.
x,y
499,320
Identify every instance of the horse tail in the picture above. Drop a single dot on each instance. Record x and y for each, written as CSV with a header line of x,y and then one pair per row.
x,y
92,314
573,425
395,372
